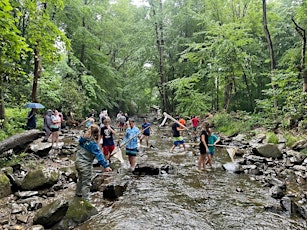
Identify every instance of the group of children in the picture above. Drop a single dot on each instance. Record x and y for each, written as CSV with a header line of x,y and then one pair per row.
x,y
99,142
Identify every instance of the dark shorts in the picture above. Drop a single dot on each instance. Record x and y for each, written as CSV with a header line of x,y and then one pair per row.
x,y
202,149
131,152
54,129
146,134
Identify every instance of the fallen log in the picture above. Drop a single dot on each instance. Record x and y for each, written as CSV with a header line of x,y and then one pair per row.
x,y
19,140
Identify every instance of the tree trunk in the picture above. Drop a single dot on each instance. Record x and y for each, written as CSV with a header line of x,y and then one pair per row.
x,y
227,94
160,46
302,67
2,108
82,52
270,44
249,91
37,72
19,140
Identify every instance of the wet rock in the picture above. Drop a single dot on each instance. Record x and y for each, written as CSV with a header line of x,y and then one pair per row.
x,y
277,192
16,209
273,181
37,227
51,213
273,208
41,178
146,169
79,211
168,169
268,150
26,194
22,218
40,148
114,191
233,167
286,204
300,145
239,137
302,210
254,158
5,185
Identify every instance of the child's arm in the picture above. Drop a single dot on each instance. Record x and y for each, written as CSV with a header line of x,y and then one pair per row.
x,y
217,140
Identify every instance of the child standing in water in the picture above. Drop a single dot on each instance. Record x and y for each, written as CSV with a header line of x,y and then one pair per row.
x,y
212,141
88,149
203,147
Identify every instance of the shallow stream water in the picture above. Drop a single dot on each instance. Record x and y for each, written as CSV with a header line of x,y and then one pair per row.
x,y
187,199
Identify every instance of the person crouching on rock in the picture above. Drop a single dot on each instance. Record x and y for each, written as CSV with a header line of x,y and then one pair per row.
x,y
88,149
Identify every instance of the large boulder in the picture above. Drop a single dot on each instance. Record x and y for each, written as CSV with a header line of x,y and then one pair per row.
x,y
40,148
51,214
41,178
268,150
79,211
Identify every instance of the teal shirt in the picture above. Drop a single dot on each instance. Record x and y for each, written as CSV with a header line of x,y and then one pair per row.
x,y
211,139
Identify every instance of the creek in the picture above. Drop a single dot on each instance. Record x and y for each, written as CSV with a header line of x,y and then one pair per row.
x,y
187,199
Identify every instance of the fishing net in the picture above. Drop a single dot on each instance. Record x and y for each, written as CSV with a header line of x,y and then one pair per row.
x,y
231,152
117,153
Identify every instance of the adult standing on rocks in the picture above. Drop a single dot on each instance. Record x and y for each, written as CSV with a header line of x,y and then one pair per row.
x,y
87,151
47,124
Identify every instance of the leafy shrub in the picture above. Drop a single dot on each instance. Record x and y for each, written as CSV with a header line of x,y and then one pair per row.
x,y
13,160
272,138
234,123
15,122
291,139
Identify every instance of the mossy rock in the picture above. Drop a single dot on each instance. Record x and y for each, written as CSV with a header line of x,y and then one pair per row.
x,y
52,213
78,212
40,178
5,186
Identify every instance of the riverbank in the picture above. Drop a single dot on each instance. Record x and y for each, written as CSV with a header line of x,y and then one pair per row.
x,y
183,187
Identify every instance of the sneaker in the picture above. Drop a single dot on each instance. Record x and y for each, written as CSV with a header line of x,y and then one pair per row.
x,y
44,140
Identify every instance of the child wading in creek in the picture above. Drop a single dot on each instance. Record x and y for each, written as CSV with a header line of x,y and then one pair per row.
x,y
88,149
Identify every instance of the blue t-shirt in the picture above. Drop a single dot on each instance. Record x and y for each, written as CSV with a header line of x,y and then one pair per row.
x,y
144,126
130,132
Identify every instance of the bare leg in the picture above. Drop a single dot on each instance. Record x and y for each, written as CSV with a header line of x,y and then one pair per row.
x,y
132,161
201,161
147,141
210,160
172,149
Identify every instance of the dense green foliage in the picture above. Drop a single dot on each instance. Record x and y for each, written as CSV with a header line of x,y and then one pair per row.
x,y
201,55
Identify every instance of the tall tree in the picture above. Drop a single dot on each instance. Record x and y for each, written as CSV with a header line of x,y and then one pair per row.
x,y
270,47
41,34
12,48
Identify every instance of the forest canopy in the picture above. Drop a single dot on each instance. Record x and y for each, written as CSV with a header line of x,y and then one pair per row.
x,y
186,56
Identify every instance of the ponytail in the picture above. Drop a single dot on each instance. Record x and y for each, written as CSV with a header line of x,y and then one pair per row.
x,y
92,132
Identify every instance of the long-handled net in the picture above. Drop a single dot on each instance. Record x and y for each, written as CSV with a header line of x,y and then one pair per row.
x,y
117,152
231,150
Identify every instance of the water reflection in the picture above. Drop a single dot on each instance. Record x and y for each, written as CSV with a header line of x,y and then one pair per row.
x,y
187,199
